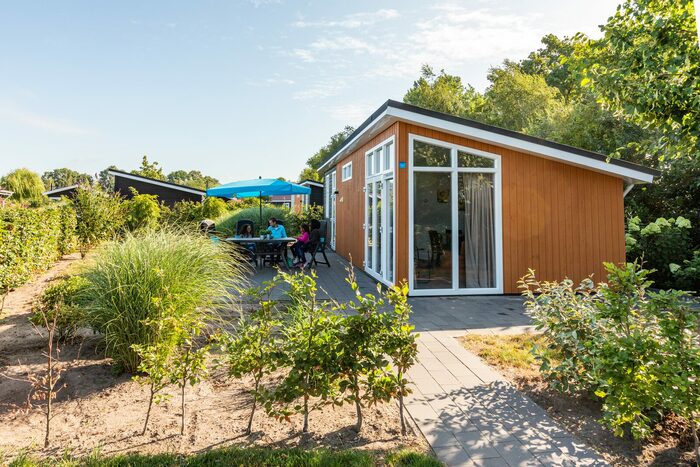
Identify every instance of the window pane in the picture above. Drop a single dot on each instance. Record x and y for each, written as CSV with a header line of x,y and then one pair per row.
x,y
378,228
388,156
432,225
429,155
477,254
390,230
378,161
370,163
466,159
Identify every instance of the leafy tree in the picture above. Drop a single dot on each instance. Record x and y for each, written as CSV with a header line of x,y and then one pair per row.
x,y
309,173
310,348
253,349
193,178
522,102
26,185
59,178
552,62
149,169
142,211
400,343
105,180
445,93
189,365
99,215
315,161
647,67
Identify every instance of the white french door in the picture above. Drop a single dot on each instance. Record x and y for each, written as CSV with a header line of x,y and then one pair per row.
x,y
380,212
330,206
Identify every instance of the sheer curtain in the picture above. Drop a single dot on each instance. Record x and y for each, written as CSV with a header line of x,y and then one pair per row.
x,y
479,241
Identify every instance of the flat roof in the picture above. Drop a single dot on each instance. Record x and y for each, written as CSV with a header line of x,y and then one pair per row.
x,y
392,111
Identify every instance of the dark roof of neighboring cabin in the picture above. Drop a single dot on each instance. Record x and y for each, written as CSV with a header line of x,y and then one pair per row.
x,y
59,191
490,128
154,181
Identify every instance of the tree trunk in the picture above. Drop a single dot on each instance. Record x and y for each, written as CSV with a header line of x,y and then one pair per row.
x,y
148,412
403,423
696,442
358,410
305,429
249,430
182,407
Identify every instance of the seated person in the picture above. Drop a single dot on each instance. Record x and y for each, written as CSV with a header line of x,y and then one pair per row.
x,y
276,230
247,232
314,240
300,244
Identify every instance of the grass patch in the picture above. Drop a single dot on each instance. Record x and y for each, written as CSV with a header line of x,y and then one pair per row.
x,y
506,351
242,457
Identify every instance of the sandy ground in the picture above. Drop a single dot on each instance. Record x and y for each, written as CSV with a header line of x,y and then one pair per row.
x,y
97,410
670,444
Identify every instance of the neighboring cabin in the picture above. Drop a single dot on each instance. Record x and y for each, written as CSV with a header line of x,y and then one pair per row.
x,y
168,193
457,207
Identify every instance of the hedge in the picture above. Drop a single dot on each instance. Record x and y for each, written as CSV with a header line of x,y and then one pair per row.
x,y
31,240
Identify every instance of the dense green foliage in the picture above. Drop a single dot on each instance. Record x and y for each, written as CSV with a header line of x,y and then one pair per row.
x,y
60,300
67,241
148,288
244,457
637,351
26,185
142,211
99,216
30,241
149,169
213,208
310,172
228,223
59,178
193,178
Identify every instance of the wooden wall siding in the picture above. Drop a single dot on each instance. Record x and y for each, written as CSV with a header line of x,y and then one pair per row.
x,y
558,219
350,201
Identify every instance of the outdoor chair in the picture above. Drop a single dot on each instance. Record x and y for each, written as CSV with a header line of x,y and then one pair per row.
x,y
320,247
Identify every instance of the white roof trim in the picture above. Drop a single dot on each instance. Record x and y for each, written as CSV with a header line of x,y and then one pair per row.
x,y
158,183
392,114
311,182
56,190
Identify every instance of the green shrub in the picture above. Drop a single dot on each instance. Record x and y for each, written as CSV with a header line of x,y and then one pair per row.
x,y
182,213
99,216
142,211
60,299
228,224
295,219
687,274
635,350
661,245
29,243
213,208
26,185
68,220
134,283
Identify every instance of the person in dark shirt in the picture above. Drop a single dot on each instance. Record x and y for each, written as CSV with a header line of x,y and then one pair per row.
x,y
314,240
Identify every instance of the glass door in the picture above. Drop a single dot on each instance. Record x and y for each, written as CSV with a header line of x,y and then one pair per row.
x,y
379,212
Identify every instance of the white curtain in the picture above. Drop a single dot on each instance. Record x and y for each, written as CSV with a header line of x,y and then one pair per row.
x,y
479,241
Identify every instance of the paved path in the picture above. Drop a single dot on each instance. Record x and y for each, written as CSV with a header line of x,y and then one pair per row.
x,y
472,416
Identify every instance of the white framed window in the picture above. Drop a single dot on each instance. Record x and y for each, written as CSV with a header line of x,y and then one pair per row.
x,y
346,171
380,159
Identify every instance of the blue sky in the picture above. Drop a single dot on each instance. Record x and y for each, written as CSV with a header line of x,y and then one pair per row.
x,y
236,89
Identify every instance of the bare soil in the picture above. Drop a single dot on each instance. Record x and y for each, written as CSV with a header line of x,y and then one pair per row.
x,y
670,445
98,410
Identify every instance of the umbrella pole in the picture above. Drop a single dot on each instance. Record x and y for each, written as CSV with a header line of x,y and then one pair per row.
x,y
260,198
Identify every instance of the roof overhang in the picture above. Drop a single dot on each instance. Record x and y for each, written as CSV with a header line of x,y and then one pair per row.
x,y
392,111
60,190
152,181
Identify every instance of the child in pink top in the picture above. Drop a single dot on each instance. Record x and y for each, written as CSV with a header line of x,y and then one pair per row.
x,y
300,244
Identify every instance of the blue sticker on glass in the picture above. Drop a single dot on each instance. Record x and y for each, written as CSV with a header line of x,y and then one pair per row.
x,y
402,165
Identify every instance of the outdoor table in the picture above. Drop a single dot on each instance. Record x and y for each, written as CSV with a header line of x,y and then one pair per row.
x,y
267,241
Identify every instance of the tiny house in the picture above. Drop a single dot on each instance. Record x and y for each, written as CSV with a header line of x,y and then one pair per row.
x,y
167,192
458,207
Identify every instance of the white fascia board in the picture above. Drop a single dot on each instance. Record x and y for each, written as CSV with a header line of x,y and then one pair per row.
x,y
56,190
519,145
367,130
156,182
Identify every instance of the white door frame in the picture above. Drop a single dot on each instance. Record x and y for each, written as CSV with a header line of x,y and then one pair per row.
x,y
380,178
454,170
